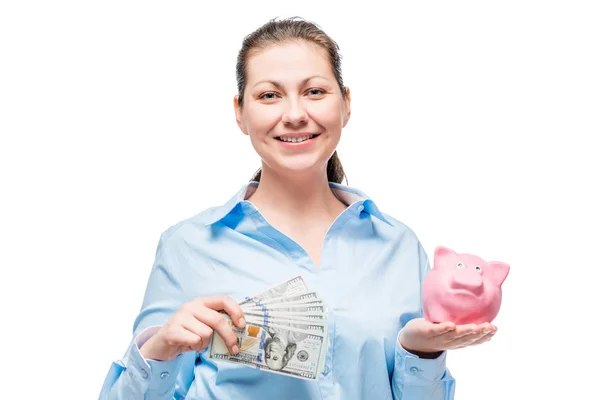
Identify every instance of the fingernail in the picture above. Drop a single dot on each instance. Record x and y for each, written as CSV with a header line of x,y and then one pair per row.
x,y
242,322
235,349
487,331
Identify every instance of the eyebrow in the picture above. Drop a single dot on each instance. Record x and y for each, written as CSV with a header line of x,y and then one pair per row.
x,y
279,85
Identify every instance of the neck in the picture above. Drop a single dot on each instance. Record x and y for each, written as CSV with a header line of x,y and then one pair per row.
x,y
305,196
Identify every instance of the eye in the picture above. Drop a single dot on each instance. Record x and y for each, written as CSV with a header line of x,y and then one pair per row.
x,y
459,265
262,96
272,95
319,91
477,268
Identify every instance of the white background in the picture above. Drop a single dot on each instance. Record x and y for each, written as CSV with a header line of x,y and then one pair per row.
x,y
476,123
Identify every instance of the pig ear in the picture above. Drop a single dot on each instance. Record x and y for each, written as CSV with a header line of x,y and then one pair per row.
x,y
498,270
440,256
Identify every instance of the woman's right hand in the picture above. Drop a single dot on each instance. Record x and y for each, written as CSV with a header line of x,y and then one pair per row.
x,y
192,326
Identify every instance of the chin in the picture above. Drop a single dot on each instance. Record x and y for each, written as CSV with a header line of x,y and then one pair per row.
x,y
299,167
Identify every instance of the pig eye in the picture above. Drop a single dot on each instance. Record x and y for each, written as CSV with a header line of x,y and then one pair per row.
x,y
477,268
459,265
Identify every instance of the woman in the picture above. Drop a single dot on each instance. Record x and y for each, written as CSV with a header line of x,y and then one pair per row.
x,y
293,217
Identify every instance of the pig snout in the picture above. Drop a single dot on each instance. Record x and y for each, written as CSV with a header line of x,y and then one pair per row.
x,y
468,280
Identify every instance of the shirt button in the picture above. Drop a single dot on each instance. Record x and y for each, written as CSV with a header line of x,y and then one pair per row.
x,y
414,370
144,374
164,375
326,370
361,208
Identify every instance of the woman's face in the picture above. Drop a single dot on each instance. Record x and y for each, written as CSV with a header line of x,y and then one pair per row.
x,y
279,100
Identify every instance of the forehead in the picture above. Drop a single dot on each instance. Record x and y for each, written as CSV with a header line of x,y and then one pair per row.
x,y
289,62
471,259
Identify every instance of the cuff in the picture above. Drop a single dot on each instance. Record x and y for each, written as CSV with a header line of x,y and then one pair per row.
x,y
419,369
160,375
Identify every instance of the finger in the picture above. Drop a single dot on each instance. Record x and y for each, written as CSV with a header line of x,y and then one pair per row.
x,y
481,339
485,338
457,333
431,329
198,347
220,324
465,341
443,333
467,329
465,335
185,349
181,337
442,328
198,328
228,305
486,327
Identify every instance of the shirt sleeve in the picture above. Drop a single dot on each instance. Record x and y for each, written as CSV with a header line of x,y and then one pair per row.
x,y
134,377
416,378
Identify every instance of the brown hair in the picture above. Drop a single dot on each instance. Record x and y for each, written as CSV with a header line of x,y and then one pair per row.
x,y
286,30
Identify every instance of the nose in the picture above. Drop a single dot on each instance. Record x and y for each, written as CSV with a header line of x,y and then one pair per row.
x,y
295,113
467,278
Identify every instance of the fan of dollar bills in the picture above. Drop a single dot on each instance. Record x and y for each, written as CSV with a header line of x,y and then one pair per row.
x,y
285,333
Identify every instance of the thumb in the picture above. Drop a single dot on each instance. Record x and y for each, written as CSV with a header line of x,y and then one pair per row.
x,y
444,327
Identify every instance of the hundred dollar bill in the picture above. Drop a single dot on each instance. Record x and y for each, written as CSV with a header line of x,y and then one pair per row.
x,y
308,298
323,354
292,315
290,287
305,308
277,349
309,325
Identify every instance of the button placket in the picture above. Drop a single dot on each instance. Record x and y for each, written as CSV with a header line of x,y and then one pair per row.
x,y
414,370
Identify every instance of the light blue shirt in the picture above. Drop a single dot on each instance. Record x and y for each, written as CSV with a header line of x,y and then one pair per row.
x,y
370,277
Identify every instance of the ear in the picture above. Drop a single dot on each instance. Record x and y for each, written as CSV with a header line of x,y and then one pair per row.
x,y
498,270
238,114
347,107
441,255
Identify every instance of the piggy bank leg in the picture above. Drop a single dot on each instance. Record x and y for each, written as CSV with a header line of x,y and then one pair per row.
x,y
437,314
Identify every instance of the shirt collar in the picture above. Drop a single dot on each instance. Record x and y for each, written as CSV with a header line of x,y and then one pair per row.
x,y
346,194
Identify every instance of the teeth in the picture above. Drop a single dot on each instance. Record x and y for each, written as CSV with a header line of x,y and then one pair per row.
x,y
295,140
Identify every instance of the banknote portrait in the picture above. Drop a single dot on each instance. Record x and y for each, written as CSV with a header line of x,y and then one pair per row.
x,y
280,347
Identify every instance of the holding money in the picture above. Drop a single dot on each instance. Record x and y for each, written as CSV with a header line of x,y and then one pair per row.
x,y
286,332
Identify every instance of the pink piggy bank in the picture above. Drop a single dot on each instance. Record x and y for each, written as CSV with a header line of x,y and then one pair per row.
x,y
463,288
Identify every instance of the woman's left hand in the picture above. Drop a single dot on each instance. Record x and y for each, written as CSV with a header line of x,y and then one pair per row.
x,y
422,336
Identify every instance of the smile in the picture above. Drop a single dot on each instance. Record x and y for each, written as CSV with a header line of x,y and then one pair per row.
x,y
301,143
297,139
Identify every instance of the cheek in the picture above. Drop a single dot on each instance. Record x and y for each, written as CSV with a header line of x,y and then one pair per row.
x,y
328,115
261,120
